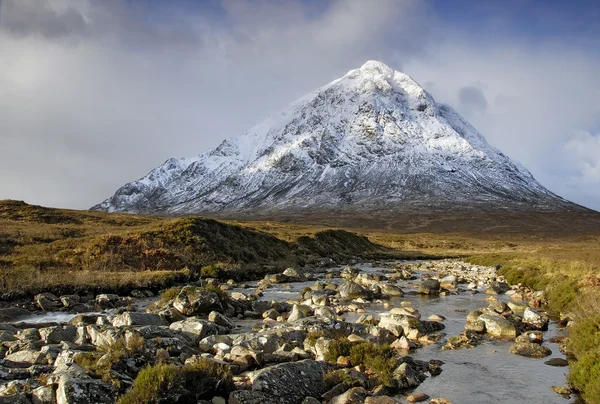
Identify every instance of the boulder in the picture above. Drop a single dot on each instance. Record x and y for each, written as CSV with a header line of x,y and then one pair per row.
x,y
498,326
43,395
196,329
48,301
84,391
560,362
448,282
293,381
27,358
417,397
70,300
500,287
530,350
296,314
429,287
535,319
351,290
193,301
391,290
56,334
220,319
293,275
135,318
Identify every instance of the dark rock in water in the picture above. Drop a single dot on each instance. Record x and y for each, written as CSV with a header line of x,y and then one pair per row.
x,y
560,362
252,397
293,382
430,287
500,287
530,350
351,290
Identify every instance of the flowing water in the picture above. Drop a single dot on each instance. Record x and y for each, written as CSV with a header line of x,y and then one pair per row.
x,y
488,373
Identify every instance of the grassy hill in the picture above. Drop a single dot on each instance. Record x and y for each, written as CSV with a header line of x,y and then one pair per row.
x,y
46,249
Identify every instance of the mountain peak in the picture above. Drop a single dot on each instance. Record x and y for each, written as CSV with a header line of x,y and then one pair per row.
x,y
373,139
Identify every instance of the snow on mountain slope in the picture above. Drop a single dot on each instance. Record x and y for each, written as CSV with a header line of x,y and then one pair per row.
x,y
373,138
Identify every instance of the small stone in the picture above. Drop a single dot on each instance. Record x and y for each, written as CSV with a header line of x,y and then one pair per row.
x,y
417,398
561,390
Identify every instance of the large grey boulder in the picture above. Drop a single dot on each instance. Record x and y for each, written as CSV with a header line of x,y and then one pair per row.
x,y
196,329
498,326
351,290
355,395
84,391
193,301
19,398
292,382
535,319
135,318
57,334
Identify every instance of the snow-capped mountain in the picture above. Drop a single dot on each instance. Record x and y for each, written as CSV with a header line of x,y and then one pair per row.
x,y
371,139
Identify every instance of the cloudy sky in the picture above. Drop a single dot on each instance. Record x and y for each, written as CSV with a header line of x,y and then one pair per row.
x,y
94,94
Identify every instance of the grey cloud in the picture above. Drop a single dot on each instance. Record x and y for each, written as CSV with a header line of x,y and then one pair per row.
x,y
472,99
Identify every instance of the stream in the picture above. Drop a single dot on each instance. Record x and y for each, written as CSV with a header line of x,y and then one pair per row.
x,y
488,373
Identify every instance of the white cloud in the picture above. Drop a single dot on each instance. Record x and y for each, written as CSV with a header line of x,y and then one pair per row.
x,y
95,94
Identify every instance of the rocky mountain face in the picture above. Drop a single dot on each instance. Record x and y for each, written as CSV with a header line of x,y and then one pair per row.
x,y
373,139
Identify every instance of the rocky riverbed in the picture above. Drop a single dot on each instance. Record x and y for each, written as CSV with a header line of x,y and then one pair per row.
x,y
393,332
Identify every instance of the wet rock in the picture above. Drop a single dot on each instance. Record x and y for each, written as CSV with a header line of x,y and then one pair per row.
x,y
429,287
531,336
293,381
84,391
563,391
530,350
48,301
498,326
436,317
271,313
417,398
500,287
407,376
276,278
355,395
449,282
559,362
467,339
70,300
351,290
535,319
193,301
134,318
391,290
108,300
498,307
293,275
473,323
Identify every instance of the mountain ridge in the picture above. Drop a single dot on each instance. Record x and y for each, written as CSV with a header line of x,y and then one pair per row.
x,y
369,140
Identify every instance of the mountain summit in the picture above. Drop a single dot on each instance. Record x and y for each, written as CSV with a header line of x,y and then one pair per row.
x,y
372,139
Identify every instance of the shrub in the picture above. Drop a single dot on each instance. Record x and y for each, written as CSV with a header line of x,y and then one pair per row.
x,y
335,377
337,348
378,358
163,383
